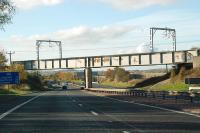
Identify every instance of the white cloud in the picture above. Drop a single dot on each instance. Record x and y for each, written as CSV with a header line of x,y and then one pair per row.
x,y
29,4
135,4
91,35
118,4
79,35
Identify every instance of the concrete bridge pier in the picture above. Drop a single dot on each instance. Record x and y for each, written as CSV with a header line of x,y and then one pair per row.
x,y
88,77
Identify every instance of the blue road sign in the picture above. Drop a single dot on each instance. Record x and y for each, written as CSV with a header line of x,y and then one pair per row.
x,y
192,80
9,78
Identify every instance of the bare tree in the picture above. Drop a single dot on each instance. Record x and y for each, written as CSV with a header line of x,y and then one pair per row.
x,y
7,11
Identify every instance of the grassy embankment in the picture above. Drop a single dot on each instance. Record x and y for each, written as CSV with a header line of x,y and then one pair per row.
x,y
177,86
117,84
174,83
120,84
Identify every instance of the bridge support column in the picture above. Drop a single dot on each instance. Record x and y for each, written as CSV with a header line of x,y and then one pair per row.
x,y
88,78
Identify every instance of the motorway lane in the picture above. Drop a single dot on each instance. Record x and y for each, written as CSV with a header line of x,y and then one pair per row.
x,y
145,119
78,111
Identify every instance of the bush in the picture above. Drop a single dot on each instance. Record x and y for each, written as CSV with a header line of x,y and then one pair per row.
x,y
35,82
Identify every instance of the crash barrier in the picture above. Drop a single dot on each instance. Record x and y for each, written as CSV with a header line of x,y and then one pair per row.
x,y
164,95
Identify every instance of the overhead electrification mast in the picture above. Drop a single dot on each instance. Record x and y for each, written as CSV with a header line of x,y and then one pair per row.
x,y
38,44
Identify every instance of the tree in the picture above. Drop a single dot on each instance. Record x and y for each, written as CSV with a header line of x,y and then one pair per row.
x,y
117,75
110,74
173,75
3,60
181,74
121,75
7,11
19,68
66,76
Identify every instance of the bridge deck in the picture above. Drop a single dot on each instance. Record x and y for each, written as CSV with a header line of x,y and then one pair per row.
x,y
139,59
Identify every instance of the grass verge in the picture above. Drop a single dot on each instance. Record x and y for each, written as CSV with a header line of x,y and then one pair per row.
x,y
177,86
23,89
117,84
77,81
12,91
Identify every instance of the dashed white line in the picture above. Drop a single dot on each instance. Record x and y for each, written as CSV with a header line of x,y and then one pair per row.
x,y
94,113
80,105
16,107
125,132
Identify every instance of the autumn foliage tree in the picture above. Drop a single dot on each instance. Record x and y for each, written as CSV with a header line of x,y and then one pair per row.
x,y
66,76
110,74
19,68
121,75
117,75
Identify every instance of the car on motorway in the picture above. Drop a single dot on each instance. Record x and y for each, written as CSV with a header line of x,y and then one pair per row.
x,y
64,87
56,85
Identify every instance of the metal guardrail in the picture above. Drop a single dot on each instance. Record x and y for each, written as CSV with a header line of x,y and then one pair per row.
x,y
164,95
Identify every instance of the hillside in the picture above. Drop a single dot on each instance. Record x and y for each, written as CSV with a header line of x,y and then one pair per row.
x,y
170,82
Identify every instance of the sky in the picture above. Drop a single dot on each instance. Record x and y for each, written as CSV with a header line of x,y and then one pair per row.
x,y
98,27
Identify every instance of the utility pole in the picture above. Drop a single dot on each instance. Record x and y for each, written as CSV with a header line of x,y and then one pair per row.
x,y
10,55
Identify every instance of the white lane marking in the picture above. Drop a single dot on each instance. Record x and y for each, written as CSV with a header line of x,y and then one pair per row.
x,y
16,107
125,132
156,107
118,120
80,105
94,113
74,100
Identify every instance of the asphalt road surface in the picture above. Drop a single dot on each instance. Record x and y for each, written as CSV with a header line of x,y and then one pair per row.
x,y
76,111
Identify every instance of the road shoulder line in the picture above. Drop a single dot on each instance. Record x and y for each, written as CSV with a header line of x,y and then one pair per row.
x,y
156,107
151,106
17,107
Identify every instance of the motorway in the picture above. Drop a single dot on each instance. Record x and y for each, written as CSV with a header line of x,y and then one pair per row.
x,y
76,111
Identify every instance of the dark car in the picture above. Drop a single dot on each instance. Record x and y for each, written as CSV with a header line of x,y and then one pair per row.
x,y
64,87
